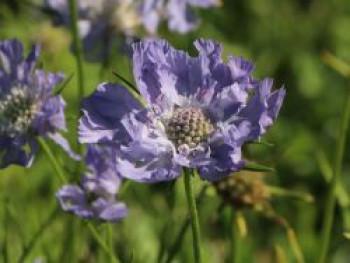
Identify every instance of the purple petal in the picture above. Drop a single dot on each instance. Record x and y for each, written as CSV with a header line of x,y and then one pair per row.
x,y
110,211
149,156
263,108
72,199
102,112
181,17
150,12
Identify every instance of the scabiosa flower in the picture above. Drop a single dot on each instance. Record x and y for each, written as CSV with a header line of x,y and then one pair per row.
x,y
100,23
95,198
28,107
178,13
197,113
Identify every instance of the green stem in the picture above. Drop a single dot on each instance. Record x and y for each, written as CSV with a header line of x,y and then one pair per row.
x,y
338,161
6,231
101,242
110,241
174,248
52,159
28,248
232,237
188,173
78,48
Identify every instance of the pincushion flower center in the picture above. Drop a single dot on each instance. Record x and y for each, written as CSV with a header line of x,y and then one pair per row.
x,y
17,111
188,126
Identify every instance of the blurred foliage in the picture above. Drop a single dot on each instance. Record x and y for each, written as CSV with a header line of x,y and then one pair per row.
x,y
286,40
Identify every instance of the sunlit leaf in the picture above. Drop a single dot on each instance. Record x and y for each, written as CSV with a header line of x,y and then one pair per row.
x,y
257,168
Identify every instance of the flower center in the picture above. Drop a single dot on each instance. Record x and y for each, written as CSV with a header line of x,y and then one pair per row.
x,y
188,126
17,111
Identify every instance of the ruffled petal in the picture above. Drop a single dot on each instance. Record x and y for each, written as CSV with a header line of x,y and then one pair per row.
x,y
109,211
263,108
149,156
227,103
226,154
150,13
102,112
72,199
11,56
147,56
240,68
181,17
103,177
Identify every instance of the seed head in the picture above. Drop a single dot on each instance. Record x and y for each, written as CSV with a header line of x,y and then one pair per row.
x,y
242,190
188,126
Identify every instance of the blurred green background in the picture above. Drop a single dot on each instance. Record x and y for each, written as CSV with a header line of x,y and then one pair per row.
x,y
286,40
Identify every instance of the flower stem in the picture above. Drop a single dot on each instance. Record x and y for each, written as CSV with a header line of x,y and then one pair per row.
x,y
175,247
338,161
232,237
28,248
78,48
188,173
101,242
52,159
110,241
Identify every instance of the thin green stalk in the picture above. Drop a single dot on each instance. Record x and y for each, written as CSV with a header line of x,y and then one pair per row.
x,y
281,192
110,241
6,230
78,48
188,173
102,243
28,248
338,161
232,237
174,248
52,159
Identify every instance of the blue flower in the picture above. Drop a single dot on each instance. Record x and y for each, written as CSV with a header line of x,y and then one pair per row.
x,y
28,107
195,112
100,24
95,198
178,13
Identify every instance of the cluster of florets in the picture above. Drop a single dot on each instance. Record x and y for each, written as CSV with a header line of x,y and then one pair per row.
x,y
188,126
243,190
17,111
28,107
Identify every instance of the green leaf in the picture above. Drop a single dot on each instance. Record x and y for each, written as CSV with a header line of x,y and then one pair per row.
x,y
125,81
257,168
263,143
59,90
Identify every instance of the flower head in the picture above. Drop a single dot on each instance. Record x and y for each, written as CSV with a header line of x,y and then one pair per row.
x,y
178,13
197,112
95,198
243,190
99,22
28,107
